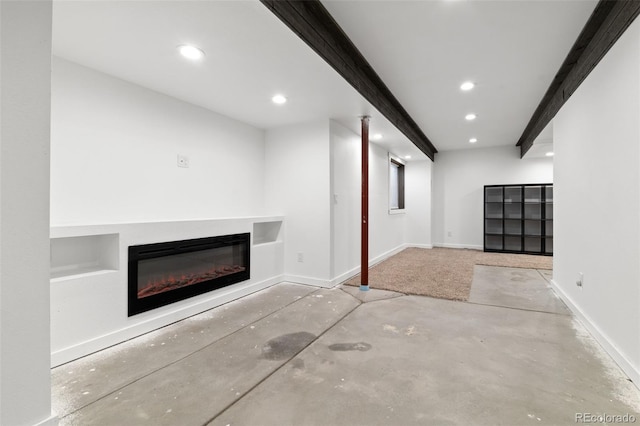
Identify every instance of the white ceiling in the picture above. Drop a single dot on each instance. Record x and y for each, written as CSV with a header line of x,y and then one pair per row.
x,y
422,50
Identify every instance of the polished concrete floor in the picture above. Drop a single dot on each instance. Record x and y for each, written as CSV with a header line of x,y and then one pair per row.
x,y
299,355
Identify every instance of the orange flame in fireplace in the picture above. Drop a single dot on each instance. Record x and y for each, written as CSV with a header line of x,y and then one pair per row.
x,y
171,283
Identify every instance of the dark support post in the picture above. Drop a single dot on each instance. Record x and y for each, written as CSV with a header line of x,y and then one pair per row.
x,y
364,229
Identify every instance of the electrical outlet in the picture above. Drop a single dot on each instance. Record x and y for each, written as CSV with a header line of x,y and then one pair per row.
x,y
300,257
580,280
449,234
183,161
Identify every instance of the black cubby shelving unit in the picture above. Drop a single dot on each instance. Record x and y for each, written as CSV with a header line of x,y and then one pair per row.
x,y
518,219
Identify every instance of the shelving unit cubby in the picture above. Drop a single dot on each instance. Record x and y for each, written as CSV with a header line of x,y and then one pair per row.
x,y
518,218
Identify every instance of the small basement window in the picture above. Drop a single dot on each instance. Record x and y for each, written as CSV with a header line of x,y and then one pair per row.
x,y
396,185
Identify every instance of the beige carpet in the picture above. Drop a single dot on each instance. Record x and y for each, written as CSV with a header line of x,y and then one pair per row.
x,y
514,260
441,272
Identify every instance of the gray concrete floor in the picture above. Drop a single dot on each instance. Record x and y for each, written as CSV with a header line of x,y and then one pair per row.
x,y
299,355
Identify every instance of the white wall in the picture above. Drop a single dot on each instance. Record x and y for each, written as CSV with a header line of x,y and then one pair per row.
x,y
313,179
387,233
114,171
25,383
297,186
458,180
346,171
115,147
418,182
597,201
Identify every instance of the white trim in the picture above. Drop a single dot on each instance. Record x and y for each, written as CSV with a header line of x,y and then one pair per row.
x,y
315,282
355,271
52,420
627,366
459,246
74,230
219,297
396,158
384,256
424,246
387,255
397,211
345,276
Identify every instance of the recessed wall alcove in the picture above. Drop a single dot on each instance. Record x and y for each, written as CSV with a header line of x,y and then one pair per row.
x,y
71,256
267,232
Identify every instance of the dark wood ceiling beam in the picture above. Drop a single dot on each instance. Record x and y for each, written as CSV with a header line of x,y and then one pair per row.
x,y
607,23
311,21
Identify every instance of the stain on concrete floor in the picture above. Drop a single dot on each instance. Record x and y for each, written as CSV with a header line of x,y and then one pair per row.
x,y
343,347
287,345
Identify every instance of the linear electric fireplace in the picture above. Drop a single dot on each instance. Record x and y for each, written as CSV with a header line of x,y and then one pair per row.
x,y
163,273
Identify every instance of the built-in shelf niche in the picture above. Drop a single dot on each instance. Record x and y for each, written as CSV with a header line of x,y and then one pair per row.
x,y
267,232
71,256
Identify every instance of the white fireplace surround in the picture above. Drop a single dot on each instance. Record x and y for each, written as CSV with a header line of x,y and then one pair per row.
x,y
89,278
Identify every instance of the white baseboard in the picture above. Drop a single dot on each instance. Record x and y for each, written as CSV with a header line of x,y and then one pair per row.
x,y
424,246
629,369
387,254
222,296
384,256
459,246
345,276
50,421
316,282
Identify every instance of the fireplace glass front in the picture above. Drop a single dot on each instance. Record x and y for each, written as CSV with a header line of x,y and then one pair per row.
x,y
163,273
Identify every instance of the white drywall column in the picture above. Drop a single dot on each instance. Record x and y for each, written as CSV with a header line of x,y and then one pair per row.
x,y
25,85
298,186
418,202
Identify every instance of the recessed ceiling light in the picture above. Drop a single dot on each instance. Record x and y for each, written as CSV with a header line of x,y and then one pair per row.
x,y
473,140
376,136
407,157
467,85
279,99
470,117
549,154
191,52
